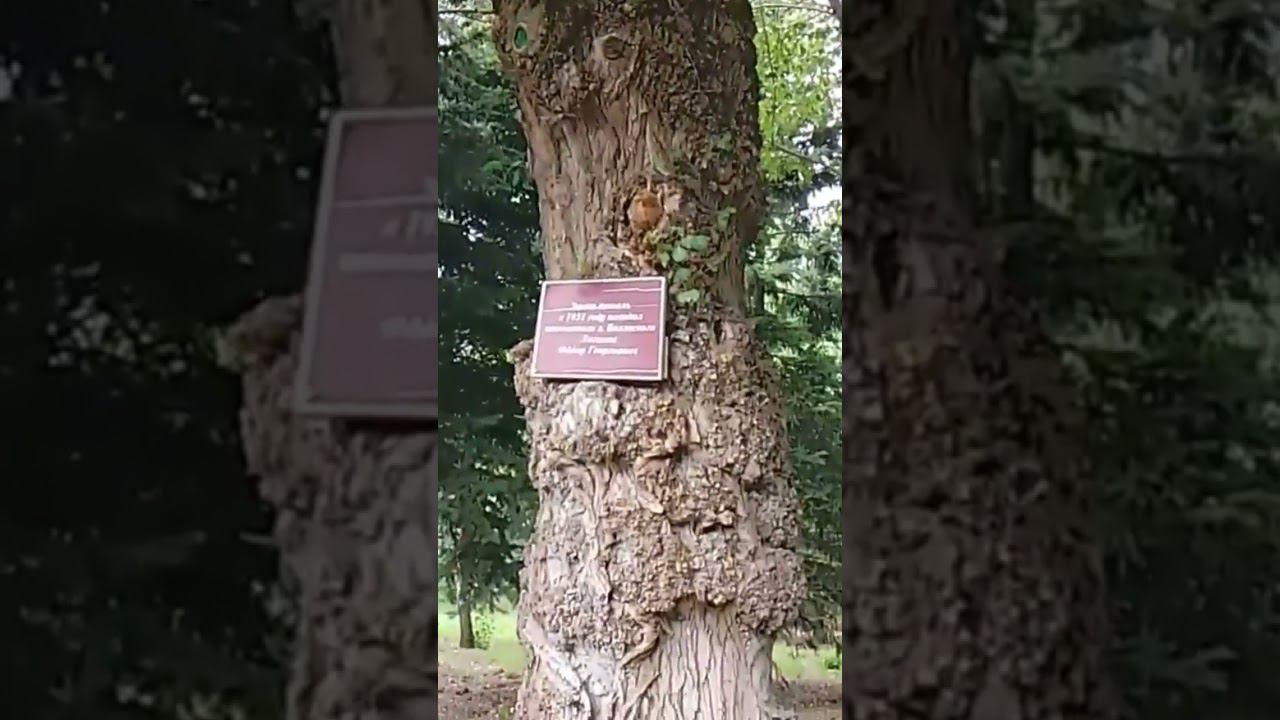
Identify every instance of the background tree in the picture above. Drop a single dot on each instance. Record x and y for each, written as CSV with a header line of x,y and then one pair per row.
x,y
793,278
973,583
1152,252
489,274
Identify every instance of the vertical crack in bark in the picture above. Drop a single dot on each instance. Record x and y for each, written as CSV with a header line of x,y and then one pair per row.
x,y
884,259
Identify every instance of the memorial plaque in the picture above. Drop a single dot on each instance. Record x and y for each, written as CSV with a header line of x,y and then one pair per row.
x,y
370,342
611,329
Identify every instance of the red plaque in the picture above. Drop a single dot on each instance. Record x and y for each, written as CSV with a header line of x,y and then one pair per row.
x,y
612,329
370,344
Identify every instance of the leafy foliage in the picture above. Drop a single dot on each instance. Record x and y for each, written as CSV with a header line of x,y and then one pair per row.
x,y
152,190
1152,250
488,289
794,273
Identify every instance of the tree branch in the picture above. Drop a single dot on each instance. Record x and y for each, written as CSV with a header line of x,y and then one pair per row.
x,y
1203,157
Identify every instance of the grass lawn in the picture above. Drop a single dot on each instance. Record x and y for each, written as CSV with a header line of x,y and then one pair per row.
x,y
504,650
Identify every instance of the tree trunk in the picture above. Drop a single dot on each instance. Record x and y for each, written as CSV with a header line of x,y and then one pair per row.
x,y
663,559
355,503
466,631
974,589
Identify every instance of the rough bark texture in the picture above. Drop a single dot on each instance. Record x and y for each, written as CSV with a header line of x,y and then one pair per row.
x,y
664,559
973,589
355,503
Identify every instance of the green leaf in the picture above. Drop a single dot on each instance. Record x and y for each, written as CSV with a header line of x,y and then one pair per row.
x,y
697,243
686,297
724,216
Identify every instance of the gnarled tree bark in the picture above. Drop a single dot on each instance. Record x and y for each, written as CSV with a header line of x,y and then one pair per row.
x,y
355,503
663,560
974,588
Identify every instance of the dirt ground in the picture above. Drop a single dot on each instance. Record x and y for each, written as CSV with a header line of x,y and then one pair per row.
x,y
470,689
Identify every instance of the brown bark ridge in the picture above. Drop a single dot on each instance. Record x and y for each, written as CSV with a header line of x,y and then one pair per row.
x,y
355,504
664,556
973,585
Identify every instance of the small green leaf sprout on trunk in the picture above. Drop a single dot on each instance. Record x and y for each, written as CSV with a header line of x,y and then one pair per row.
x,y
685,256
